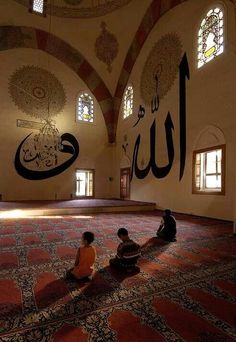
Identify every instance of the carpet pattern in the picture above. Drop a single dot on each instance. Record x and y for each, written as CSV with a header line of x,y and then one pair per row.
x,y
186,291
76,203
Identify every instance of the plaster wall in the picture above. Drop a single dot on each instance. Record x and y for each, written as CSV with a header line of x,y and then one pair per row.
x,y
210,102
94,150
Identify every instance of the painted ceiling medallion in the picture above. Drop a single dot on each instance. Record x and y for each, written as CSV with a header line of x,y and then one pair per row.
x,y
37,92
106,47
161,67
80,8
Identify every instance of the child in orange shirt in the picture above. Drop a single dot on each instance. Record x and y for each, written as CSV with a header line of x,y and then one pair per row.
x,y
85,259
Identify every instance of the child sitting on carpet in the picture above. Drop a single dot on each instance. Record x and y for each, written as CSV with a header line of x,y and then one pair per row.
x,y
85,259
128,253
167,229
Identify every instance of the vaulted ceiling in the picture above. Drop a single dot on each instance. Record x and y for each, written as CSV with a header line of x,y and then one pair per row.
x,y
81,8
99,39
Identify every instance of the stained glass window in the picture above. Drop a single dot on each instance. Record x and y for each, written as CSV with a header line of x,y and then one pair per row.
x,y
211,36
128,101
85,110
38,6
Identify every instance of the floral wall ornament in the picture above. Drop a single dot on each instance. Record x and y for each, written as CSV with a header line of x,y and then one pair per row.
x,y
106,47
161,67
37,92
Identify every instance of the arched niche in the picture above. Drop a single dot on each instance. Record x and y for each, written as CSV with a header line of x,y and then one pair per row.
x,y
210,136
125,162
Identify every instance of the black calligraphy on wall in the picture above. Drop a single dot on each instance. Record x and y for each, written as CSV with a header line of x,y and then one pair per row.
x,y
25,157
161,172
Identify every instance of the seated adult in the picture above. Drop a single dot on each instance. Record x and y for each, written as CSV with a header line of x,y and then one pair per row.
x,y
128,253
167,228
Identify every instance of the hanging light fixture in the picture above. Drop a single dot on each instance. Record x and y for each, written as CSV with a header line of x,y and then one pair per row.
x,y
48,141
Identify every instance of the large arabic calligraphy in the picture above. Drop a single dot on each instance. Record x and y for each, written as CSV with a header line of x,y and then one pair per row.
x,y
44,160
161,172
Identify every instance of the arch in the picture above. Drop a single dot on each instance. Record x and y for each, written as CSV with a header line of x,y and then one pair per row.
x,y
12,37
28,37
156,9
210,136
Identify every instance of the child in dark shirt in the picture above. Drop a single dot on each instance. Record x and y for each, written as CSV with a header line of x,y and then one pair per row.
x,y
128,253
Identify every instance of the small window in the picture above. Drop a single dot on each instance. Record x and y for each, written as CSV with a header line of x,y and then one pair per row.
x,y
208,171
85,108
211,36
128,102
38,6
84,183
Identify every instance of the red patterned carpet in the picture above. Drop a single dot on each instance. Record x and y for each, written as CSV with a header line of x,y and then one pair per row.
x,y
186,290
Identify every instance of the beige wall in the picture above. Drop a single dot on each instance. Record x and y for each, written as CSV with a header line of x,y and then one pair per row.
x,y
94,149
95,152
210,101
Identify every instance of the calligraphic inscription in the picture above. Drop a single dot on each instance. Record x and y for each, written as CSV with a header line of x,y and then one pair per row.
x,y
161,172
34,163
161,67
37,92
141,114
29,124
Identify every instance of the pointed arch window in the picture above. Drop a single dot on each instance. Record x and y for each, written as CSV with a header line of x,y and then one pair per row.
x,y
211,36
128,102
85,108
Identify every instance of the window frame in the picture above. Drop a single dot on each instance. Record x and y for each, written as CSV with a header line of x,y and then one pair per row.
x,y
93,189
195,190
222,8
77,108
123,102
43,14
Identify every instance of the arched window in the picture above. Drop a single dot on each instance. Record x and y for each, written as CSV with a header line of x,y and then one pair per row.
x,y
211,36
85,109
128,101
